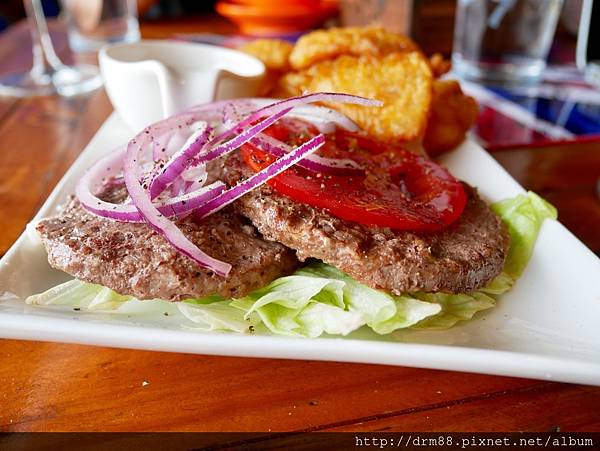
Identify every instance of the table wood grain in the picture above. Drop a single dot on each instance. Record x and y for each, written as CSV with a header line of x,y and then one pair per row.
x,y
62,387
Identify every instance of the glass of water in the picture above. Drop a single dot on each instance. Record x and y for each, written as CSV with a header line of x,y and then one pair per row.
x,y
48,74
394,15
503,41
93,23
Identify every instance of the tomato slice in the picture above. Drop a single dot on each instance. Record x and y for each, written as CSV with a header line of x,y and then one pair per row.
x,y
399,189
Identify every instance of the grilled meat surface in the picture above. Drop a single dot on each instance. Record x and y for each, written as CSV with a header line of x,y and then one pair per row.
x,y
132,259
462,258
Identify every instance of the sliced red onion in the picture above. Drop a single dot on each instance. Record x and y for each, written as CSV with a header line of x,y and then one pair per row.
x,y
190,200
163,145
315,163
261,177
294,102
150,174
242,138
126,212
153,216
195,174
259,107
159,146
192,179
104,170
178,187
177,164
110,167
184,158
185,171
200,199
318,164
235,111
325,119
173,207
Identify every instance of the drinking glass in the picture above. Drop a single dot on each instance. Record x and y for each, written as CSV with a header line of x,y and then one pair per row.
x,y
394,15
503,41
94,23
48,75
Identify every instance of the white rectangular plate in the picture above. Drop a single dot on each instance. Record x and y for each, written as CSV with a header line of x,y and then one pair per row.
x,y
547,327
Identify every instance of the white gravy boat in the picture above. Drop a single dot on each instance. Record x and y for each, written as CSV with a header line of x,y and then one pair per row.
x,y
150,80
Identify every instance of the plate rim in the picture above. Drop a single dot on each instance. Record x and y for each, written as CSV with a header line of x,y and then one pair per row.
x,y
416,355
420,355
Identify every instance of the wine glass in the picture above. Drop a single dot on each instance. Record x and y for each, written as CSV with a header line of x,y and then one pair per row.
x,y
48,75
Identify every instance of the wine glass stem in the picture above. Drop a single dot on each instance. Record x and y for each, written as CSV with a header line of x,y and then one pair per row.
x,y
45,59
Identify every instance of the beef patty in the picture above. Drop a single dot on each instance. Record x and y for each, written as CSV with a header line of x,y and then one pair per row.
x,y
132,259
462,258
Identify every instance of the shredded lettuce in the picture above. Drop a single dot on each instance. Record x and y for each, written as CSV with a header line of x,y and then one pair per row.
x,y
319,299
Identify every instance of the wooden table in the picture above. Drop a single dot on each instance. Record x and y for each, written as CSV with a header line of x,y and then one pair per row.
x,y
61,387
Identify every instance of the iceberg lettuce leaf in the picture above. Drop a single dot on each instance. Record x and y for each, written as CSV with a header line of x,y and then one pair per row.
x,y
454,308
216,315
523,216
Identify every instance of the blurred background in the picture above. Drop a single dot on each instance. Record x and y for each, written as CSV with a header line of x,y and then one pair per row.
x,y
12,11
551,97
430,22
